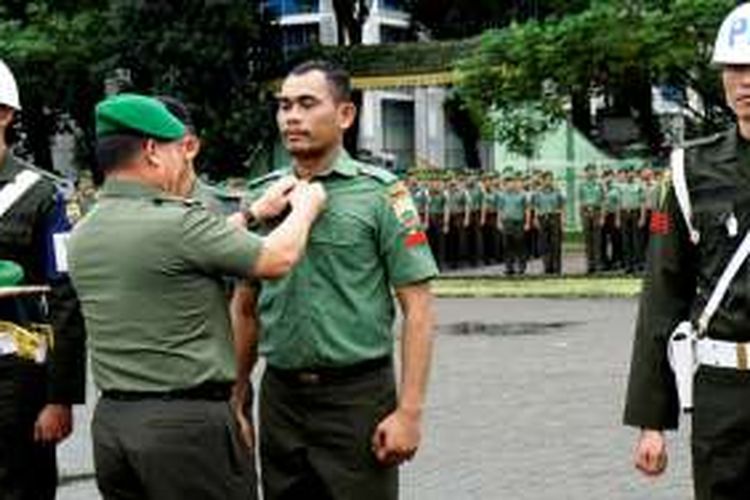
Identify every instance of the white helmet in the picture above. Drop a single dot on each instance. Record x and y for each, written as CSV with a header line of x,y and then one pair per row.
x,y
733,41
8,88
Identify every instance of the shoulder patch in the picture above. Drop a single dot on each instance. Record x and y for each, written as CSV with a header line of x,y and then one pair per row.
x,y
379,174
271,176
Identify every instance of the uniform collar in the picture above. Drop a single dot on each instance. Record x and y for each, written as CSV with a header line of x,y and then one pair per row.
x,y
119,188
343,165
9,168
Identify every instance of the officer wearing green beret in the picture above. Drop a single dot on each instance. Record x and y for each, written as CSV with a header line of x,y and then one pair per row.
x,y
42,337
687,257
590,199
549,217
148,265
332,424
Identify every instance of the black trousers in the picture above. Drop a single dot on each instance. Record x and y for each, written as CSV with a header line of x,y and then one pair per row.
x,y
611,243
170,450
551,234
514,247
721,434
315,438
491,239
631,240
592,234
28,470
476,240
438,240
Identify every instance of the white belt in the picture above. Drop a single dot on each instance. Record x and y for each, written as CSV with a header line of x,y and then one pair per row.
x,y
723,354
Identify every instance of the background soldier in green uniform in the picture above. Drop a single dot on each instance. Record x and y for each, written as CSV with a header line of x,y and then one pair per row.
x,y
457,235
36,389
331,423
632,220
476,196
681,275
651,193
488,219
438,221
590,198
149,267
515,216
611,223
549,217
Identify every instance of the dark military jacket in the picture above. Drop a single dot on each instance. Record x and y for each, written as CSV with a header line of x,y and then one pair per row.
x,y
29,231
681,276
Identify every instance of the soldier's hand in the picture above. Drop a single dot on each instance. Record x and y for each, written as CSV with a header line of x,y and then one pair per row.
x,y
237,220
310,197
396,438
54,423
275,199
651,452
240,404
445,229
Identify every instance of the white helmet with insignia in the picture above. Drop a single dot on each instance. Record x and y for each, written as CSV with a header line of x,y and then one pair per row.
x,y
733,41
8,88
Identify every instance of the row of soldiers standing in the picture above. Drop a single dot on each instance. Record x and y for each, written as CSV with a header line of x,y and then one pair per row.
x,y
473,221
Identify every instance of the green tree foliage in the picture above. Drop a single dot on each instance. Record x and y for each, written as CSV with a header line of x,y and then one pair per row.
x,y
213,55
616,48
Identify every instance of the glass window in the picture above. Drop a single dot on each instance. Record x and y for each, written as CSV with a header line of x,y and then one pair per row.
x,y
398,132
392,4
299,36
288,7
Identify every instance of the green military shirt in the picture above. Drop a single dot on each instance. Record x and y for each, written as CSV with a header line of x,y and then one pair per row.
x,y
421,200
336,307
613,199
633,196
457,201
490,200
591,194
681,276
148,269
215,199
476,198
513,206
651,195
548,201
437,202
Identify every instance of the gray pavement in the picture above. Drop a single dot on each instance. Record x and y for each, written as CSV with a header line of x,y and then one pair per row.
x,y
525,404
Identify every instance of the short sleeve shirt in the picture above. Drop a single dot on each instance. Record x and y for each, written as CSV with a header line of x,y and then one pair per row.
x,y
148,270
336,307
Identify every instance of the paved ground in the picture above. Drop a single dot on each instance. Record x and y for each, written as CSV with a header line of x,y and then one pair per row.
x,y
525,404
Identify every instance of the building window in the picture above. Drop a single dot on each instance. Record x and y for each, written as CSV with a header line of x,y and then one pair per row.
x,y
278,8
398,132
299,36
394,34
392,5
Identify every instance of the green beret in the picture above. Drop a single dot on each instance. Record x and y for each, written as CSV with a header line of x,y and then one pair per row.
x,y
11,274
137,113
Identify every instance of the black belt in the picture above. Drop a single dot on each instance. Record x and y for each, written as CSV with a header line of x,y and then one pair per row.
x,y
208,391
325,374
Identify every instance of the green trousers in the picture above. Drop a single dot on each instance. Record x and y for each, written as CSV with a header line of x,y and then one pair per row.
x,y
315,438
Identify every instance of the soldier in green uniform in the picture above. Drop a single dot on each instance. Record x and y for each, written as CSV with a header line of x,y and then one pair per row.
x,y
611,223
632,220
651,196
438,221
459,221
590,199
42,337
549,218
488,220
332,424
515,216
475,201
684,266
148,265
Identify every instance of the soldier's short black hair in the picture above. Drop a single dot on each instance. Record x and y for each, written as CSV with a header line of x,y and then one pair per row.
x,y
338,78
113,151
180,111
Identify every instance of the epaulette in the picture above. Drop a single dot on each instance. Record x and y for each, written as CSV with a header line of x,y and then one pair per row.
x,y
380,174
187,202
271,176
704,141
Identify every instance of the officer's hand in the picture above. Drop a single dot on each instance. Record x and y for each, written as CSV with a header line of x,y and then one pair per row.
x,y
275,199
396,438
445,229
240,404
54,423
309,197
237,220
651,453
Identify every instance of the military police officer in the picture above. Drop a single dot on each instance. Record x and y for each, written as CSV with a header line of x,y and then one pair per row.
x,y
549,217
515,220
42,362
683,269
148,265
590,199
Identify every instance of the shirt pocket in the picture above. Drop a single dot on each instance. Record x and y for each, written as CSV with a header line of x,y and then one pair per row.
x,y
337,229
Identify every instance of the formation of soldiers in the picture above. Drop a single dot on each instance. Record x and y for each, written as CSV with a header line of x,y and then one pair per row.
x,y
510,218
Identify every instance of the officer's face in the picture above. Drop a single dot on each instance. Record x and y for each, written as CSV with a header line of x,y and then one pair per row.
x,y
312,121
737,89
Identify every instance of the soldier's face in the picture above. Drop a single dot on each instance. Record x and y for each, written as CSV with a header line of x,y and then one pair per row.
x,y
737,89
311,120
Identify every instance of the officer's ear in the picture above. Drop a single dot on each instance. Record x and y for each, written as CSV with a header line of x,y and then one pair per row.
x,y
347,113
192,147
151,153
6,116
